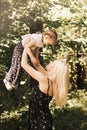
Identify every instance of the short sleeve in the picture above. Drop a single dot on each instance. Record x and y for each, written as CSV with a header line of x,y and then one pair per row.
x,y
38,39
26,38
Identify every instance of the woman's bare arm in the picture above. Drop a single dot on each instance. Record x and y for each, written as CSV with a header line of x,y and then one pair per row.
x,y
29,69
40,68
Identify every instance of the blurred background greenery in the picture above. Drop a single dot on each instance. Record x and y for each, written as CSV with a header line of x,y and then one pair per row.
x,y
69,19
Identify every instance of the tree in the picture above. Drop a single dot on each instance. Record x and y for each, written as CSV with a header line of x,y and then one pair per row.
x,y
70,20
68,17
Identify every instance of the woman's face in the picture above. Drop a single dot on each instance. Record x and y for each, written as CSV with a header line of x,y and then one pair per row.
x,y
51,70
50,66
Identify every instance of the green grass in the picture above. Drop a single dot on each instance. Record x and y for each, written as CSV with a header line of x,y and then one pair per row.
x,y
72,117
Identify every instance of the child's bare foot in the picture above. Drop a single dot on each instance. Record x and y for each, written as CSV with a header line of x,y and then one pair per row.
x,y
7,85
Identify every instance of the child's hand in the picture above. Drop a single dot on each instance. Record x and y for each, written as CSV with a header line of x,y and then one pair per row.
x,y
34,61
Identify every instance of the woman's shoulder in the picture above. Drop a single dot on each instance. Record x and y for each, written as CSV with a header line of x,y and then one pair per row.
x,y
43,85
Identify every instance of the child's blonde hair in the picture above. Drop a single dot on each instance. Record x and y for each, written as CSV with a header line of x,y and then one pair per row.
x,y
60,78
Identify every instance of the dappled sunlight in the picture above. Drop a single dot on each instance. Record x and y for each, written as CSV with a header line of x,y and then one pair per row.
x,y
74,115
69,19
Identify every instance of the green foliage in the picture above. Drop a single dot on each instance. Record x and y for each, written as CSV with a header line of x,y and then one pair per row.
x,y
74,115
69,18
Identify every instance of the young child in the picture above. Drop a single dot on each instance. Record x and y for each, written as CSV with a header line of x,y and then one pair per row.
x,y
32,43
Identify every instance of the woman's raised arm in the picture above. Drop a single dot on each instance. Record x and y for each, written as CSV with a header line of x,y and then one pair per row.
x,y
29,69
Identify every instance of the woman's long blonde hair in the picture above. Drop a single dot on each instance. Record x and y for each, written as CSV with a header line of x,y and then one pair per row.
x,y
60,78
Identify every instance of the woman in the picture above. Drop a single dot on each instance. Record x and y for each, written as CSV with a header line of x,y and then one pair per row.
x,y
52,83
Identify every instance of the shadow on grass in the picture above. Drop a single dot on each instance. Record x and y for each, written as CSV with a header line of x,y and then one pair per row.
x,y
70,119
64,119
14,123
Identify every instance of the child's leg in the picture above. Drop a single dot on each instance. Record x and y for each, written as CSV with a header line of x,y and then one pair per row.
x,y
15,70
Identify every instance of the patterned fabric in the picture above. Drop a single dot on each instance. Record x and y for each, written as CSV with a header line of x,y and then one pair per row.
x,y
40,117
15,71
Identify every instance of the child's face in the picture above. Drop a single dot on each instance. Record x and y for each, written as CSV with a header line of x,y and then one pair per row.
x,y
48,41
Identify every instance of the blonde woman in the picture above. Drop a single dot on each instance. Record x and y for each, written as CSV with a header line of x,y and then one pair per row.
x,y
53,82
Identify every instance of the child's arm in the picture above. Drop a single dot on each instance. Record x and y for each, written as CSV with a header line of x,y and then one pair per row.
x,y
29,69
36,53
29,51
38,65
34,58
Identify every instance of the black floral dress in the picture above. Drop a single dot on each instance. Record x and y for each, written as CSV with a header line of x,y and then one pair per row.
x,y
40,117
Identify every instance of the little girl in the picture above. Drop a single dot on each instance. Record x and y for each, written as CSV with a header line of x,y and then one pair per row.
x,y
32,43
